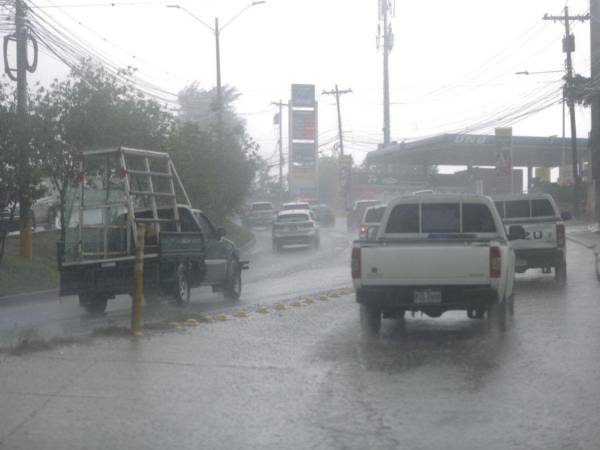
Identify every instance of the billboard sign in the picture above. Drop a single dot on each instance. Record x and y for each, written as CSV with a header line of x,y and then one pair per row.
x,y
303,125
303,95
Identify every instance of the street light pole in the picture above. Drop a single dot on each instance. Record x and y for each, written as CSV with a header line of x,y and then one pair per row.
x,y
217,33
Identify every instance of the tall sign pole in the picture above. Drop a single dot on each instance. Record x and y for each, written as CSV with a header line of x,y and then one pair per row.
x,y
303,143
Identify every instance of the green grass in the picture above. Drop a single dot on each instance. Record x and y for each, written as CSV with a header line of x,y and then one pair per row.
x,y
19,275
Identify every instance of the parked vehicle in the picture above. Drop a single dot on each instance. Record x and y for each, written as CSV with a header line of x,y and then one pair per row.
x,y
182,247
369,225
436,253
356,213
544,244
295,227
325,215
260,214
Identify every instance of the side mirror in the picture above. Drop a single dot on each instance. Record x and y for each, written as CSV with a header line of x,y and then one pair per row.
x,y
516,232
221,232
566,215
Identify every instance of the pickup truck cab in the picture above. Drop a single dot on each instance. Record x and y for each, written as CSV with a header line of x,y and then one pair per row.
x,y
435,253
544,245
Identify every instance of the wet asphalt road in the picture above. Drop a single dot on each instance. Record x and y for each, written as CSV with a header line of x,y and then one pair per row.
x,y
272,278
302,377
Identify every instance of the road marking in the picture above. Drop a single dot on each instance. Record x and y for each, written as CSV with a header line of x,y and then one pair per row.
x,y
241,313
280,306
222,317
296,304
263,310
192,322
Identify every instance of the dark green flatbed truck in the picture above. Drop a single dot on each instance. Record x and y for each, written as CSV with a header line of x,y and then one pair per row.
x,y
183,249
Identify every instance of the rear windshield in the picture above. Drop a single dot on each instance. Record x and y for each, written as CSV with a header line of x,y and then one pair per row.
x,y
441,218
374,215
404,219
517,208
296,206
542,208
261,206
292,218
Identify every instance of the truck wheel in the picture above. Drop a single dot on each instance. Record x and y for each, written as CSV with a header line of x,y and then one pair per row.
x,y
560,273
182,286
94,304
233,284
370,320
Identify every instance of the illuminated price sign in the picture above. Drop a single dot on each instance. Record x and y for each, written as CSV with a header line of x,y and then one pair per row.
x,y
303,125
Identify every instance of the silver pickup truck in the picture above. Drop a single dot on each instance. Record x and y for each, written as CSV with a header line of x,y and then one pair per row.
x,y
436,253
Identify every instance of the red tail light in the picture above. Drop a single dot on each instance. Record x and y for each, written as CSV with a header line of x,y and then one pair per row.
x,y
560,235
362,230
495,262
355,263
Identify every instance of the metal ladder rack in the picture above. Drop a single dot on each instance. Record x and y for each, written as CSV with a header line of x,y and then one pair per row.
x,y
135,168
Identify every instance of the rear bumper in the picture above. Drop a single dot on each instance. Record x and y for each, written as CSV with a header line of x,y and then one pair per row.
x,y
260,220
543,257
298,239
111,281
454,298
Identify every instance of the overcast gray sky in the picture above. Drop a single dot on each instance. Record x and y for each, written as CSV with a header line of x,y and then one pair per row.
x,y
452,65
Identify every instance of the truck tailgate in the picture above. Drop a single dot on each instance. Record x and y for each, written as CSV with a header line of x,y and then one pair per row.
x,y
426,263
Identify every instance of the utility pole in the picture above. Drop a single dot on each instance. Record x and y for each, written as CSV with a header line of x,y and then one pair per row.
x,y
569,48
280,104
385,34
342,171
219,91
25,239
337,94
595,102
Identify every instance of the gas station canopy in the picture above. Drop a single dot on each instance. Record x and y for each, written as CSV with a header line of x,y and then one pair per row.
x,y
479,150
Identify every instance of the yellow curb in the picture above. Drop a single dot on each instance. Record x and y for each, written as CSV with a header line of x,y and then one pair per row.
x,y
222,317
323,298
173,324
192,322
241,313
263,309
309,301
208,318
280,306
296,304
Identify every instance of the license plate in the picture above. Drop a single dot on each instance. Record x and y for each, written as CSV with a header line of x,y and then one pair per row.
x,y
427,296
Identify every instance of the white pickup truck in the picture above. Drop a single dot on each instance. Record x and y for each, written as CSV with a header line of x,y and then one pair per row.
x,y
544,245
435,253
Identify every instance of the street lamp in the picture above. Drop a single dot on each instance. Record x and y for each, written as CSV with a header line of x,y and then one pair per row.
x,y
217,33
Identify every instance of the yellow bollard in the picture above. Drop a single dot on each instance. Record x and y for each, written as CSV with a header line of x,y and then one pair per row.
x,y
138,267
